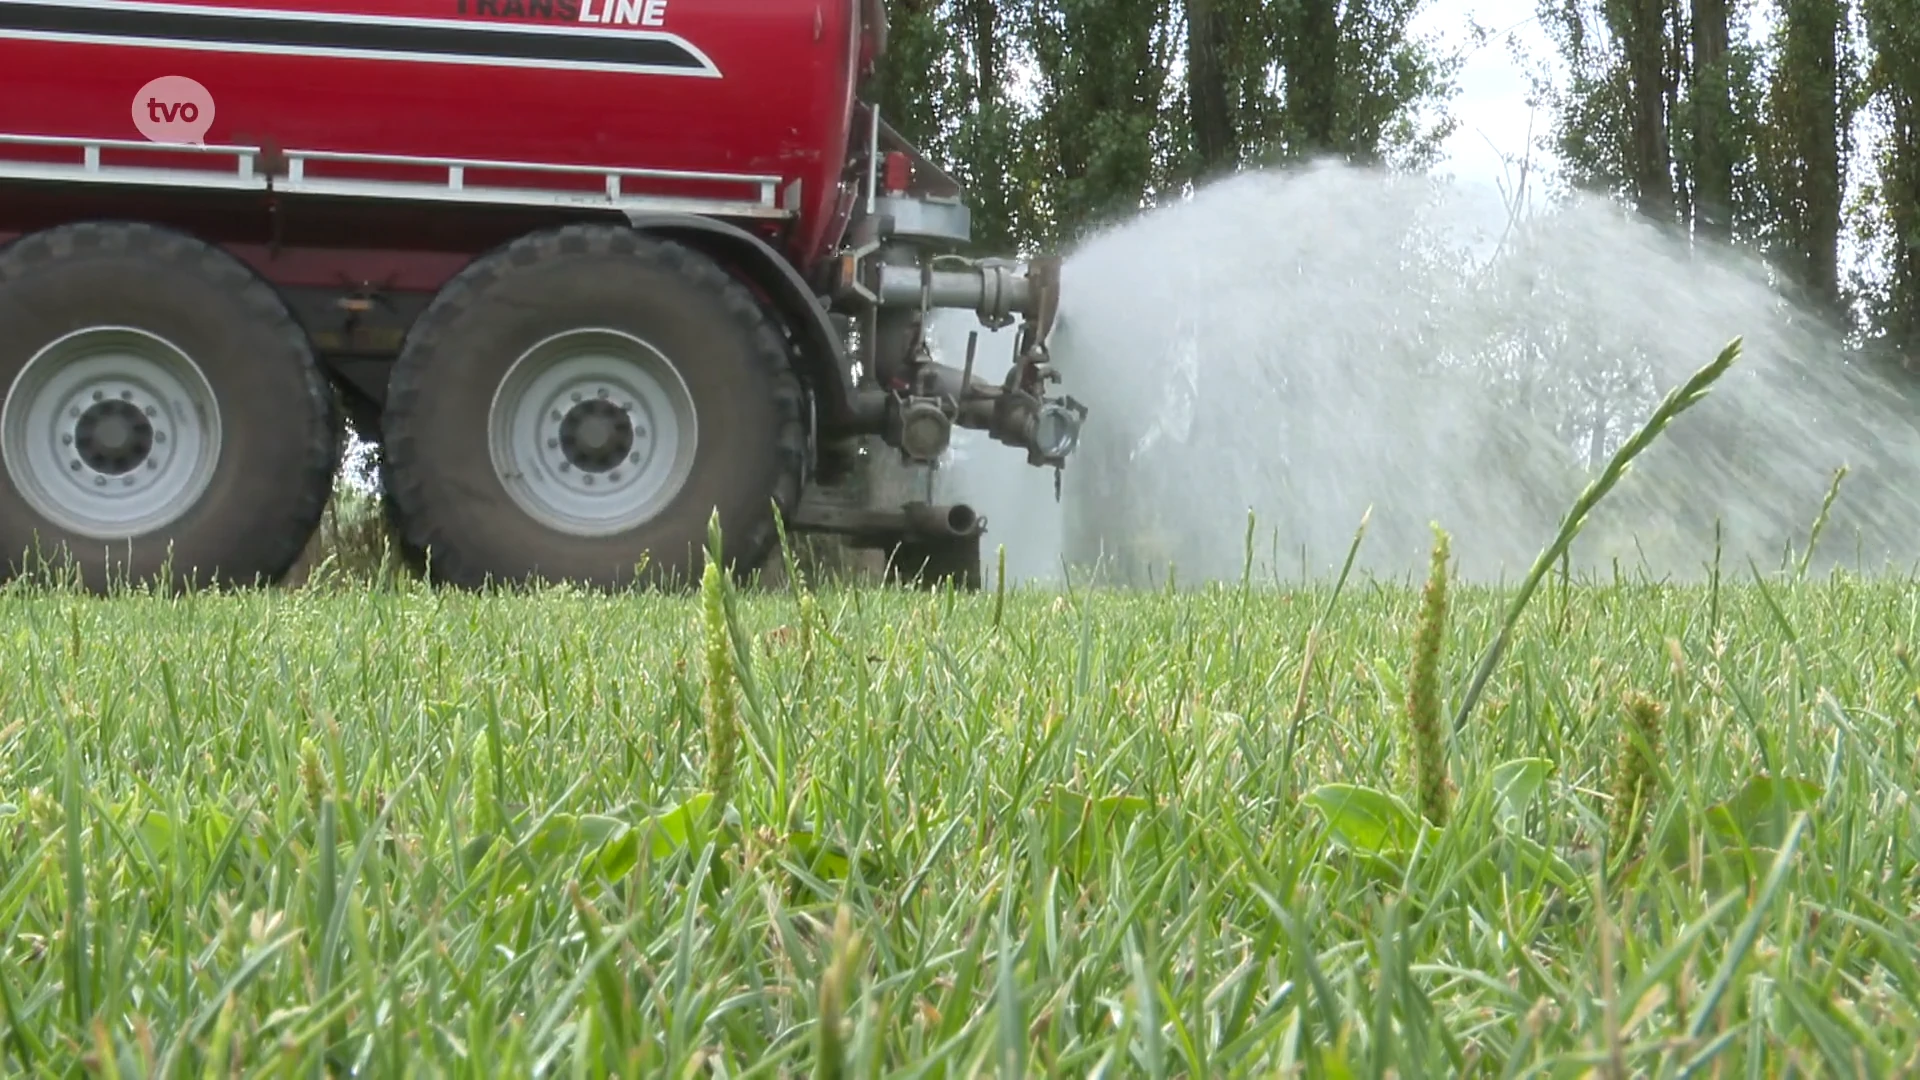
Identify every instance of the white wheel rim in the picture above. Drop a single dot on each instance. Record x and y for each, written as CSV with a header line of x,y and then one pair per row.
x,y
592,432
110,433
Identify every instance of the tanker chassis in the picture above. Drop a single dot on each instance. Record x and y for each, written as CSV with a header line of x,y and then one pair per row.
x,y
588,271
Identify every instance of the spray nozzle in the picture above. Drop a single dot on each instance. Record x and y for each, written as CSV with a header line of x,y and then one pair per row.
x,y
1056,429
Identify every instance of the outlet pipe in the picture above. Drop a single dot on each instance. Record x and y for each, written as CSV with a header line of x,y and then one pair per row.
x,y
957,521
995,289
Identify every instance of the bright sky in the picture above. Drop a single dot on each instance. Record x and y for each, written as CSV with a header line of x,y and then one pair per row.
x,y
1491,103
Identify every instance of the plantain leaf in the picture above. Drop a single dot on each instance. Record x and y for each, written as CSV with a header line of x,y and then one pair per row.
x,y
1364,820
1517,785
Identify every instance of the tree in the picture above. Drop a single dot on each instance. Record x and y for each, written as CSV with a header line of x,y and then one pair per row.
x,y
1104,69
1809,117
1216,145
1660,108
1642,28
1893,226
1710,94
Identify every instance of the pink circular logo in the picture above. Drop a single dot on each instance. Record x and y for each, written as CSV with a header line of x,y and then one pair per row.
x,y
173,109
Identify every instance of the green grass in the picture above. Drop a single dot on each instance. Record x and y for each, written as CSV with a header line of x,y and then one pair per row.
x,y
391,831
1088,840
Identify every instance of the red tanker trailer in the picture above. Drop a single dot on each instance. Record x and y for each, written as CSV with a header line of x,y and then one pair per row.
x,y
586,269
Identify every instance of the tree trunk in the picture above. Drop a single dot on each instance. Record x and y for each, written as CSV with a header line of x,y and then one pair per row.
x,y
1712,120
1641,27
1900,190
1824,189
1674,32
1313,77
1214,142
988,143
982,19
1812,115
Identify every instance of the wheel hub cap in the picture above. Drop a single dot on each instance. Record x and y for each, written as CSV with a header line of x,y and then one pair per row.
x,y
110,433
113,437
596,435
592,432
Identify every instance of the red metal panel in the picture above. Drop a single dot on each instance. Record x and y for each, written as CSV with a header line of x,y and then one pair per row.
x,y
774,97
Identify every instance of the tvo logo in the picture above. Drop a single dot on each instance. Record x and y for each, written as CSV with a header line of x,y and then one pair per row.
x,y
173,109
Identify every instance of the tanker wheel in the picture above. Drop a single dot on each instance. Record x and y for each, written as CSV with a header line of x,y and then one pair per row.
x,y
929,564
410,555
579,403
163,414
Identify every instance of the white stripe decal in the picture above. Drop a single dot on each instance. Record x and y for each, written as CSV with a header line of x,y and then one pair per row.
x,y
315,34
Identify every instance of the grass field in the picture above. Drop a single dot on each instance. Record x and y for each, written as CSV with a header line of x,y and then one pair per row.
x,y
1613,828
403,832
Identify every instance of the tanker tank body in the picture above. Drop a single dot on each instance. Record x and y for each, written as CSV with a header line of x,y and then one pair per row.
x,y
586,271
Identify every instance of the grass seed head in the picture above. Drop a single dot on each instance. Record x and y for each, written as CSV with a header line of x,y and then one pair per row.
x,y
1423,688
1635,775
723,729
486,801
835,984
312,775
45,811
809,615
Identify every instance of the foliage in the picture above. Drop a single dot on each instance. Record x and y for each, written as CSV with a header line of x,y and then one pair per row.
x,y
1686,109
1890,205
1424,728
1065,116
393,829
344,831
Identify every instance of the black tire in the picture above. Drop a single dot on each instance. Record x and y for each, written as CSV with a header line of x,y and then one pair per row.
x,y
412,558
450,502
279,445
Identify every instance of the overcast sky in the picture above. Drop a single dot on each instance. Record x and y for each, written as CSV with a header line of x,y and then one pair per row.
x,y
1491,104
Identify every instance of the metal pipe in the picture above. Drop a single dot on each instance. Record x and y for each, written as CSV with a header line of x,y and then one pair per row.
x,y
873,155
957,521
993,291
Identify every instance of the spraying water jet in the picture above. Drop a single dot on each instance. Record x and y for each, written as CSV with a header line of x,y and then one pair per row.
x,y
1348,338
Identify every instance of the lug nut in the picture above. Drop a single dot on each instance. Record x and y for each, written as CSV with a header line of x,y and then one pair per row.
x,y
75,467
152,412
159,436
126,395
99,481
98,396
553,444
614,476
634,457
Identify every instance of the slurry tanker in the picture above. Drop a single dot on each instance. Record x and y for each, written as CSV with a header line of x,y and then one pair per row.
x,y
586,271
